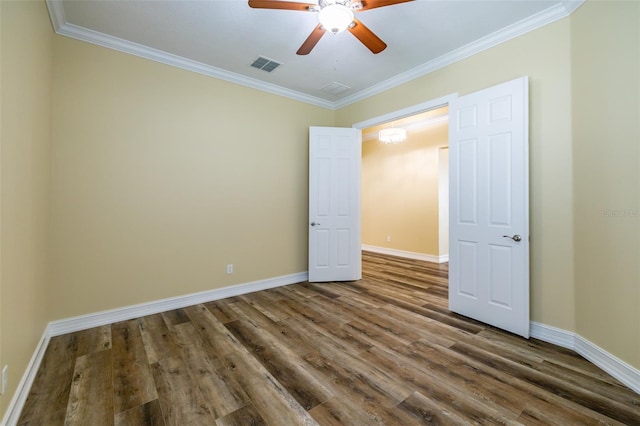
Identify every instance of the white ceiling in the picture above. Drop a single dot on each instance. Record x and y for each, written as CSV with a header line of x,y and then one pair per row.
x,y
222,38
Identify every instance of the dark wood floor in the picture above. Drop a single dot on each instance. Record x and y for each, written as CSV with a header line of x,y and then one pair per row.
x,y
383,350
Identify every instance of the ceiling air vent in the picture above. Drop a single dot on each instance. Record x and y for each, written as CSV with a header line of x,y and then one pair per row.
x,y
265,64
334,88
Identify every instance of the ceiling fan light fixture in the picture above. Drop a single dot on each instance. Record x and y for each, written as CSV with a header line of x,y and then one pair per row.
x,y
392,135
336,17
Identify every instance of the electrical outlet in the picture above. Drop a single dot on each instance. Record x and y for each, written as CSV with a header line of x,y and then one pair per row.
x,y
388,238
5,377
230,268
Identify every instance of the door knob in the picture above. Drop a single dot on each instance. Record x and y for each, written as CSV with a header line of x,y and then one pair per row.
x,y
315,224
516,238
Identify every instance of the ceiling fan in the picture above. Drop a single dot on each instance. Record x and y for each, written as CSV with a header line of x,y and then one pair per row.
x,y
334,16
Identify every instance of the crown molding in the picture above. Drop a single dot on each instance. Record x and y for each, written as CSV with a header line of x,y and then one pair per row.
x,y
56,13
531,23
62,27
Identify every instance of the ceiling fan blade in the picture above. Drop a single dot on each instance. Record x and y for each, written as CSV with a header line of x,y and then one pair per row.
x,y
367,37
274,4
312,40
372,4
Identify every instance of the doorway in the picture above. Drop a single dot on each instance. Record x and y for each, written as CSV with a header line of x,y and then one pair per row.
x,y
489,184
407,116
405,188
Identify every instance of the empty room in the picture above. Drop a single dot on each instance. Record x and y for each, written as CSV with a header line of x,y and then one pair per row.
x,y
190,233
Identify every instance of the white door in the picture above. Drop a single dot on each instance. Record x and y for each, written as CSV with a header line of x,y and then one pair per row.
x,y
335,252
489,206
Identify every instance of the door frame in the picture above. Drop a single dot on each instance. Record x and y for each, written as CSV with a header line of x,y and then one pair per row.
x,y
406,112
396,115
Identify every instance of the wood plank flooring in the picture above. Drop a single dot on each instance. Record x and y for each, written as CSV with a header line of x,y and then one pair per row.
x,y
381,351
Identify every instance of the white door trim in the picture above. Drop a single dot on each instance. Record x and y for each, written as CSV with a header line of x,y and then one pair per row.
x,y
402,113
405,112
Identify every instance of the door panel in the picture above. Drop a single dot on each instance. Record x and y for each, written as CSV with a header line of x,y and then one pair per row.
x,y
489,270
500,272
468,181
468,256
500,180
334,204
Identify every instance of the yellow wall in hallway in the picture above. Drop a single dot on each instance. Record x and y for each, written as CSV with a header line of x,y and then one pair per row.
x,y
400,191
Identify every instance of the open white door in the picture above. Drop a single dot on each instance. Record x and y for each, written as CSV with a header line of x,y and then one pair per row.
x,y
489,206
334,204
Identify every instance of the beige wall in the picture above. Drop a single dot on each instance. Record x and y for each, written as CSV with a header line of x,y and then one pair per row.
x,y
606,151
400,191
26,36
162,177
544,55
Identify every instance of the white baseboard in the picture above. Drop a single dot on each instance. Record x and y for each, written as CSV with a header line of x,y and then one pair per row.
x,y
83,322
22,391
619,369
408,254
554,335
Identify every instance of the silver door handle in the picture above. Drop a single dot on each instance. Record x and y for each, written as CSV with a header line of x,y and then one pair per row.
x,y
516,238
315,224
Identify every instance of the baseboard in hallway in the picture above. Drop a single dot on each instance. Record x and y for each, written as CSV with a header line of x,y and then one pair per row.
x,y
407,254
